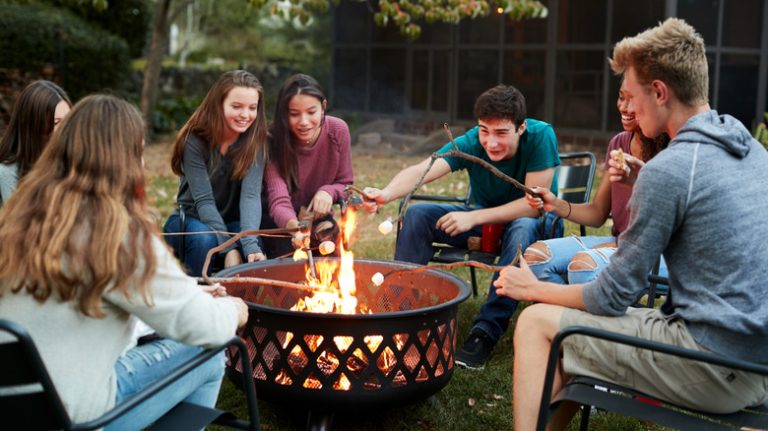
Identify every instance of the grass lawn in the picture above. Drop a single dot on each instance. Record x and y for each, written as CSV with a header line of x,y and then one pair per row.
x,y
472,400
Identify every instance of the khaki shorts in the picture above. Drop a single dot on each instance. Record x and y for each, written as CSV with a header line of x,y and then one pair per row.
x,y
681,381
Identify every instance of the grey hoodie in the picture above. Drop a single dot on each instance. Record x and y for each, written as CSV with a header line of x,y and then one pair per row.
x,y
702,204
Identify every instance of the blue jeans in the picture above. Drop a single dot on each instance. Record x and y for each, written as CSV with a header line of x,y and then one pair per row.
x,y
195,246
419,232
145,364
555,266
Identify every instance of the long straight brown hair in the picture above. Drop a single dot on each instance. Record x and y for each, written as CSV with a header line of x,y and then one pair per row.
x,y
77,223
31,124
208,123
282,148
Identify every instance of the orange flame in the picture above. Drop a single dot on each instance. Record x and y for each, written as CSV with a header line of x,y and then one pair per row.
x,y
335,283
335,292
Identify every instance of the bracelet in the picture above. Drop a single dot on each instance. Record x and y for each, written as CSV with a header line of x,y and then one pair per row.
x,y
569,209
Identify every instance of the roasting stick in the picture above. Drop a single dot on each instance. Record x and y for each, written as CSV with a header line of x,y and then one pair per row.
x,y
234,239
476,264
455,152
259,280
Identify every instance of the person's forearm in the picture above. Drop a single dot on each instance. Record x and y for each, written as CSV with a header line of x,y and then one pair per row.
x,y
568,295
403,182
586,214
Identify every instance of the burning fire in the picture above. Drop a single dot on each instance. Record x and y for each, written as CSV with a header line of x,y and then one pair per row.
x,y
334,292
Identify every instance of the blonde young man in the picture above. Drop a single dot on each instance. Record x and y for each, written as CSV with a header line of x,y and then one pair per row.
x,y
699,204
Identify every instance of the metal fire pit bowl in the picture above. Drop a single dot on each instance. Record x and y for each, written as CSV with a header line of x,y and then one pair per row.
x,y
401,352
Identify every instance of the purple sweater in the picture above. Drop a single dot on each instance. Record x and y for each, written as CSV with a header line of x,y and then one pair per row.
x,y
326,166
620,193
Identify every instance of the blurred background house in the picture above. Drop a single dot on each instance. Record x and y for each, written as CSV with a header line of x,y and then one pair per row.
x,y
559,63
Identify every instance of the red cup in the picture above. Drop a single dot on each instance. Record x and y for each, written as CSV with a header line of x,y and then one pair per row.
x,y
491,239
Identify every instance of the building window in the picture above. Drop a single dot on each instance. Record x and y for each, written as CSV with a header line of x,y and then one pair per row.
x,y
387,80
630,17
738,86
481,30
578,89
351,23
525,69
732,31
702,15
742,23
478,71
582,21
349,79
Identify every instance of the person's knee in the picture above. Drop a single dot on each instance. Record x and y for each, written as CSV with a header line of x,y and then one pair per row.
x,y
537,252
582,261
536,321
523,231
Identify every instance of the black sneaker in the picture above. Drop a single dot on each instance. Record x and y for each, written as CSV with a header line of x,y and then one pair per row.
x,y
475,351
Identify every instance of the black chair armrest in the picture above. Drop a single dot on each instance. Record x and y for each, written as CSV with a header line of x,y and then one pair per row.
x,y
554,357
176,374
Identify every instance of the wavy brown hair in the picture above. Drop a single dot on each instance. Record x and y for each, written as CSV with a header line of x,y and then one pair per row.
x,y
77,223
208,123
31,124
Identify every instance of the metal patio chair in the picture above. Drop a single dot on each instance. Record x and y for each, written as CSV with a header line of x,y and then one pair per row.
x,y
29,400
588,392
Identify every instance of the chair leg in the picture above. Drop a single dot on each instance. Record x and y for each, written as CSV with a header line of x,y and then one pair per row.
x,y
474,280
585,411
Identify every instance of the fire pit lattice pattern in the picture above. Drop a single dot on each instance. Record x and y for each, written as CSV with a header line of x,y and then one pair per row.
x,y
401,350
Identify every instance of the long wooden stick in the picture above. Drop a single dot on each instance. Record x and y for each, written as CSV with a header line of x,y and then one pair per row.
x,y
467,263
229,242
259,280
455,152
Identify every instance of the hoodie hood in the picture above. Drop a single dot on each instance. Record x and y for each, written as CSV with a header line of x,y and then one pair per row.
x,y
723,131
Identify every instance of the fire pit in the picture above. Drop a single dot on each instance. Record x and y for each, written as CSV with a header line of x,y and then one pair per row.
x,y
399,349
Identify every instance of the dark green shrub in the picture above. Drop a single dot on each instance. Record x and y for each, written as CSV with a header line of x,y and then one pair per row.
x,y
127,19
172,113
85,58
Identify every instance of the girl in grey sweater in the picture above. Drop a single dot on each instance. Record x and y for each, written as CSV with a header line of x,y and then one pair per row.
x,y
219,155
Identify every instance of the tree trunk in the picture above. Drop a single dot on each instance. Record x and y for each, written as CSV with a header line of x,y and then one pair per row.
x,y
149,88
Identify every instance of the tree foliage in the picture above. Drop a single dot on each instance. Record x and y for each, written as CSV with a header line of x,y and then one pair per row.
x,y
409,15
127,19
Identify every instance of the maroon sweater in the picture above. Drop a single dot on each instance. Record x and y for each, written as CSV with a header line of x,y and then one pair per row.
x,y
326,166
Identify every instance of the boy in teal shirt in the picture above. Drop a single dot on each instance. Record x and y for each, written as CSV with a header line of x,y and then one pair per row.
x,y
524,149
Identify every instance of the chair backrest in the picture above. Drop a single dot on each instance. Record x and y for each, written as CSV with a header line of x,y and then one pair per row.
x,y
575,176
28,399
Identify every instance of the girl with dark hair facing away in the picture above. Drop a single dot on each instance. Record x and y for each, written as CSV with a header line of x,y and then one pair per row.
x,y
93,264
37,112
219,155
310,159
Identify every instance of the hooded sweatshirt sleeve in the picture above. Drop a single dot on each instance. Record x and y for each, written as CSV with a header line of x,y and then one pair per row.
x,y
656,210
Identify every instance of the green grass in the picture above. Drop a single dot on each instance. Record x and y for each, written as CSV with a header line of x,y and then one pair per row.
x,y
472,400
